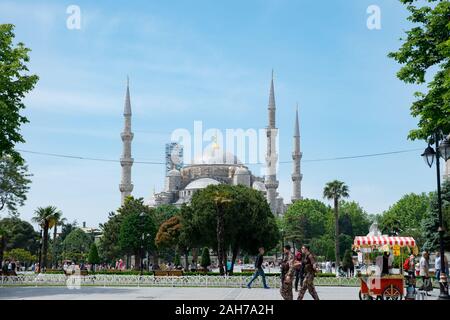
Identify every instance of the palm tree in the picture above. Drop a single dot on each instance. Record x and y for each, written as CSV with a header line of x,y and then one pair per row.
x,y
46,219
59,221
336,190
221,199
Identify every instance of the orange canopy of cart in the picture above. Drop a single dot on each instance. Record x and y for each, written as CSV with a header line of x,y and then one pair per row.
x,y
384,240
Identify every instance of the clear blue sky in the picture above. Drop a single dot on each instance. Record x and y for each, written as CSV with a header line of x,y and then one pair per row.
x,y
211,61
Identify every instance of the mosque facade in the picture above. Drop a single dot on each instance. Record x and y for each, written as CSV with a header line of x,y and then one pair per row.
x,y
216,166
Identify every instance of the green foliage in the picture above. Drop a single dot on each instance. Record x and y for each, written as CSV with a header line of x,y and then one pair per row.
x,y
426,49
248,221
306,220
430,222
19,234
205,259
138,219
164,212
14,184
93,257
20,255
404,218
323,246
109,242
177,260
353,220
246,259
77,245
14,84
347,261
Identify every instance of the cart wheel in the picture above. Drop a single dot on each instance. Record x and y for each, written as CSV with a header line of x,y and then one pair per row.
x,y
392,293
364,296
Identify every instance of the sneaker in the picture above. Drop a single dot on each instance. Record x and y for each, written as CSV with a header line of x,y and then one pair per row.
x,y
266,287
248,286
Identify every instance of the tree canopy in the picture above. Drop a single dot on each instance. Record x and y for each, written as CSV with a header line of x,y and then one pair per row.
x,y
15,82
77,245
248,221
14,184
426,50
21,234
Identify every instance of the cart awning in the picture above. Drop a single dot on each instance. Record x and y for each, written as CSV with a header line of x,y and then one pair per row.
x,y
385,240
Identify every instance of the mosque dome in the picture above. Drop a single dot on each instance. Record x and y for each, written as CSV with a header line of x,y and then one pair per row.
x,y
216,155
201,183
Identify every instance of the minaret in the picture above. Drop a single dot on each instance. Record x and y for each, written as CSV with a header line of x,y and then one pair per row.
x,y
126,161
296,156
270,181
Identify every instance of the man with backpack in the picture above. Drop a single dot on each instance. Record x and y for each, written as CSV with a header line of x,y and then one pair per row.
x,y
259,270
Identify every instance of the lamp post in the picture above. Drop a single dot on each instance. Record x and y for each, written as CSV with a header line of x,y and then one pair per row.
x,y
442,150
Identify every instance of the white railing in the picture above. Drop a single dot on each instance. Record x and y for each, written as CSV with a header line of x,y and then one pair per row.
x,y
152,281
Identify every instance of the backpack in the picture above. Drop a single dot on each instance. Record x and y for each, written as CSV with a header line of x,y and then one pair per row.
x,y
406,265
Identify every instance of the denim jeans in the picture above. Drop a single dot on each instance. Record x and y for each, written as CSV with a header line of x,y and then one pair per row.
x,y
259,272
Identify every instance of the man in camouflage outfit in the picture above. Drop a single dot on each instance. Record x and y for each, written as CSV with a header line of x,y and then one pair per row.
x,y
310,271
287,274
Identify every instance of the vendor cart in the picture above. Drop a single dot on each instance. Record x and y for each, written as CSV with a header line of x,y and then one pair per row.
x,y
374,285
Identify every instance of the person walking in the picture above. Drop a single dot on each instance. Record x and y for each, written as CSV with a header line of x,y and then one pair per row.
x,y
310,271
259,270
424,267
299,270
287,273
437,266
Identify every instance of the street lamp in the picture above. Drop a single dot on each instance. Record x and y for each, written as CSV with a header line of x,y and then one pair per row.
x,y
429,155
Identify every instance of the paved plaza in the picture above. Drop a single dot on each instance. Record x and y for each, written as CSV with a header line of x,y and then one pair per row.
x,y
166,293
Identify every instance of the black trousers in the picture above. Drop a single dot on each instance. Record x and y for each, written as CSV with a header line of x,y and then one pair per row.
x,y
299,276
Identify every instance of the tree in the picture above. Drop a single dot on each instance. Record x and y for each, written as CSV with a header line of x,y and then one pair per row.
x,y
109,242
14,84
336,190
347,261
426,49
206,259
247,220
14,184
221,200
58,221
93,257
169,233
404,218
164,212
177,260
20,255
306,219
20,234
45,218
430,224
77,245
353,220
137,230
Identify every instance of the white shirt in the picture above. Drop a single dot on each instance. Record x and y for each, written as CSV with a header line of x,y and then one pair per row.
x,y
423,266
